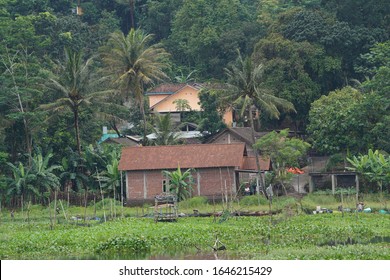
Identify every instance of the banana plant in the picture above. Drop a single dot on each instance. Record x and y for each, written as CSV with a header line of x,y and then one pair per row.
x,y
180,183
374,166
21,184
111,178
72,176
46,179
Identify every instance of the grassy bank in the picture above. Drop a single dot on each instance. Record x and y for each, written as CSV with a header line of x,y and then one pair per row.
x,y
292,234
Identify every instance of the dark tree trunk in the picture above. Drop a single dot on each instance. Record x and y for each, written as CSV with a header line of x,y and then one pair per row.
x,y
132,8
256,153
77,129
144,138
114,127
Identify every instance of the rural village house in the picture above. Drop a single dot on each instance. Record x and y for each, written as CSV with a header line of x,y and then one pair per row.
x,y
216,168
236,135
162,99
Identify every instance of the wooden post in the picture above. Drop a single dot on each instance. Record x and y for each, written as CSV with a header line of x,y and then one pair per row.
x,y
236,180
145,186
121,194
198,181
357,184
220,179
127,186
101,193
334,183
311,184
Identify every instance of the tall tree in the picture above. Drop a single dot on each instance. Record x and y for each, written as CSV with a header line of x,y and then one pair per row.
x,y
297,72
211,117
134,64
349,120
284,152
205,34
79,88
131,6
245,91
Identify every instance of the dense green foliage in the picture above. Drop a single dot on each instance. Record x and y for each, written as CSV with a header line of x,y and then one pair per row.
x,y
348,119
211,113
164,130
284,152
309,54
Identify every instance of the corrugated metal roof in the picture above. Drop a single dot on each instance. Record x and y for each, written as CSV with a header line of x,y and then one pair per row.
x,y
187,156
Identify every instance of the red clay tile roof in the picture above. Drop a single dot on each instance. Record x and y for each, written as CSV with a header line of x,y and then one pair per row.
x,y
249,163
187,156
166,88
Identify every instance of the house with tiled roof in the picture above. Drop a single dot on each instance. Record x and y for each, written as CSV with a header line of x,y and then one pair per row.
x,y
236,135
163,98
216,168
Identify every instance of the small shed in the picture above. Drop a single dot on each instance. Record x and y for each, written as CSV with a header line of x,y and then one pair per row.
x,y
336,179
165,207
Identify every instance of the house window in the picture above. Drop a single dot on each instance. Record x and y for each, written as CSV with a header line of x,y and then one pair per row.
x,y
165,185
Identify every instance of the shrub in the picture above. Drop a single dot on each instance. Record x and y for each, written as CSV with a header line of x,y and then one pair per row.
x,y
283,201
194,202
253,200
107,203
128,245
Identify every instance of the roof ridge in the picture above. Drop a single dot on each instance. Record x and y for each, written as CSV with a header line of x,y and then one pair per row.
x,y
207,144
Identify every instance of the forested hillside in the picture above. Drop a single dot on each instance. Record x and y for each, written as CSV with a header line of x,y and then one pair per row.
x,y
68,67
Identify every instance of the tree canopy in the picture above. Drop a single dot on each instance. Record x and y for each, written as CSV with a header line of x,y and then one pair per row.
x,y
327,59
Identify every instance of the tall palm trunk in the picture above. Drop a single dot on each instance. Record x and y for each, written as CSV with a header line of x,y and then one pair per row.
x,y
85,203
77,129
256,153
132,8
26,131
144,139
55,206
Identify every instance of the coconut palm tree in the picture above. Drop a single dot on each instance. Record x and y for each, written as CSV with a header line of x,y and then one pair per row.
x,y
182,105
134,64
243,90
166,133
79,88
